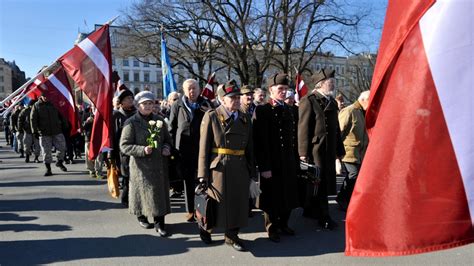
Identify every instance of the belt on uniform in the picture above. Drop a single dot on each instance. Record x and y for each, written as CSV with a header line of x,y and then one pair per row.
x,y
228,151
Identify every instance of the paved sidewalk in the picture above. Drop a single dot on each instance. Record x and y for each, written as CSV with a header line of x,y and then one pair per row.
x,y
69,218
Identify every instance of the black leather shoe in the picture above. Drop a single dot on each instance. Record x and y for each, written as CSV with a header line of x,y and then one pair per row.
x,y
237,245
274,237
288,231
162,232
61,166
146,225
328,224
205,236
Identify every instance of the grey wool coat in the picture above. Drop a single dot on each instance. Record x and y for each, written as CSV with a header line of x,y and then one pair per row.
x,y
149,183
228,175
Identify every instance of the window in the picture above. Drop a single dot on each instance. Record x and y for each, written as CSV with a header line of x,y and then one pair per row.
x,y
337,70
1,69
125,62
146,77
343,70
1,79
136,63
146,64
136,76
330,67
126,76
318,67
2,89
113,61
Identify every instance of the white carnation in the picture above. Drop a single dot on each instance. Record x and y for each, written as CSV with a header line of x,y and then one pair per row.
x,y
152,123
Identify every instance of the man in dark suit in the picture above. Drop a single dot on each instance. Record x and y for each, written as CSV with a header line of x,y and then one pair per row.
x,y
319,143
185,123
275,142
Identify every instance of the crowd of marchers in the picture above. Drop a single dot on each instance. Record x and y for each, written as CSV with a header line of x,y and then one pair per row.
x,y
245,147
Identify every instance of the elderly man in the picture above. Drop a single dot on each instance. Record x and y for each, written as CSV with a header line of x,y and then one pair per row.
x,y
185,121
226,164
275,141
354,136
319,142
259,96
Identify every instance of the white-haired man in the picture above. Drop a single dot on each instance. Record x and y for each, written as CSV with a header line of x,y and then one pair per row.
x,y
354,136
185,122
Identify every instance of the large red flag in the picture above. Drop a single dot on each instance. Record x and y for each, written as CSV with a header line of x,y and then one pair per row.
x,y
208,90
58,91
301,89
89,65
415,189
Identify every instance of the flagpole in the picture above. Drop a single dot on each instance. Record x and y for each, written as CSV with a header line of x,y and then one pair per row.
x,y
112,20
4,113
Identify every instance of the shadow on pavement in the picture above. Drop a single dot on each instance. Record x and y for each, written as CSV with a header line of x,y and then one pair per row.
x,y
16,217
69,249
17,167
56,204
34,227
53,183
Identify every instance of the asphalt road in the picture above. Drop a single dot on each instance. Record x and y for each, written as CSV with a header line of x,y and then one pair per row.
x,y
69,218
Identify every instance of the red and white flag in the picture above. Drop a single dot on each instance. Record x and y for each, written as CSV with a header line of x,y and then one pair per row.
x,y
59,92
301,90
415,190
208,91
89,65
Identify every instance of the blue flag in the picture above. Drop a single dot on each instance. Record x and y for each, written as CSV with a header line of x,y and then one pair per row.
x,y
168,81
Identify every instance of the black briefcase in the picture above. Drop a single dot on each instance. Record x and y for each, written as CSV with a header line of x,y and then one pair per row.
x,y
205,208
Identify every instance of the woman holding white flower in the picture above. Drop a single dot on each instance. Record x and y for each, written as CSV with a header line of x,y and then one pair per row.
x,y
147,141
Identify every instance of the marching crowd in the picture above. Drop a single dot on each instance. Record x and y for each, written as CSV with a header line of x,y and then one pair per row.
x,y
227,146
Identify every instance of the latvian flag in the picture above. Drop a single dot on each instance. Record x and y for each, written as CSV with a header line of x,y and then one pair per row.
x,y
415,191
301,89
208,91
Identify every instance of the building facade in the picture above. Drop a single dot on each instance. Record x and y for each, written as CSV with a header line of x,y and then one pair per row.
x,y
11,78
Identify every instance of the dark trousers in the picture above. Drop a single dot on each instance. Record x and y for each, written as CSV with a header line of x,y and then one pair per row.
x,y
316,204
344,195
7,135
190,184
276,220
125,189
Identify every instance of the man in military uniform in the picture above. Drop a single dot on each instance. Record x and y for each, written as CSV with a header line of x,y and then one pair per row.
x,y
246,100
275,141
226,164
31,143
185,120
319,142
48,124
17,132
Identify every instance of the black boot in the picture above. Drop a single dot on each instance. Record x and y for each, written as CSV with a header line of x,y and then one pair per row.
x,y
61,166
27,158
36,159
22,154
48,170
160,226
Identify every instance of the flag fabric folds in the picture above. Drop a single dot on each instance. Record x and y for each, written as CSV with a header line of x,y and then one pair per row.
x,y
301,90
59,92
415,189
208,91
89,65
169,84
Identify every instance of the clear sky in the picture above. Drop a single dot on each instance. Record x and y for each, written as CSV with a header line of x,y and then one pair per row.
x,y
35,33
